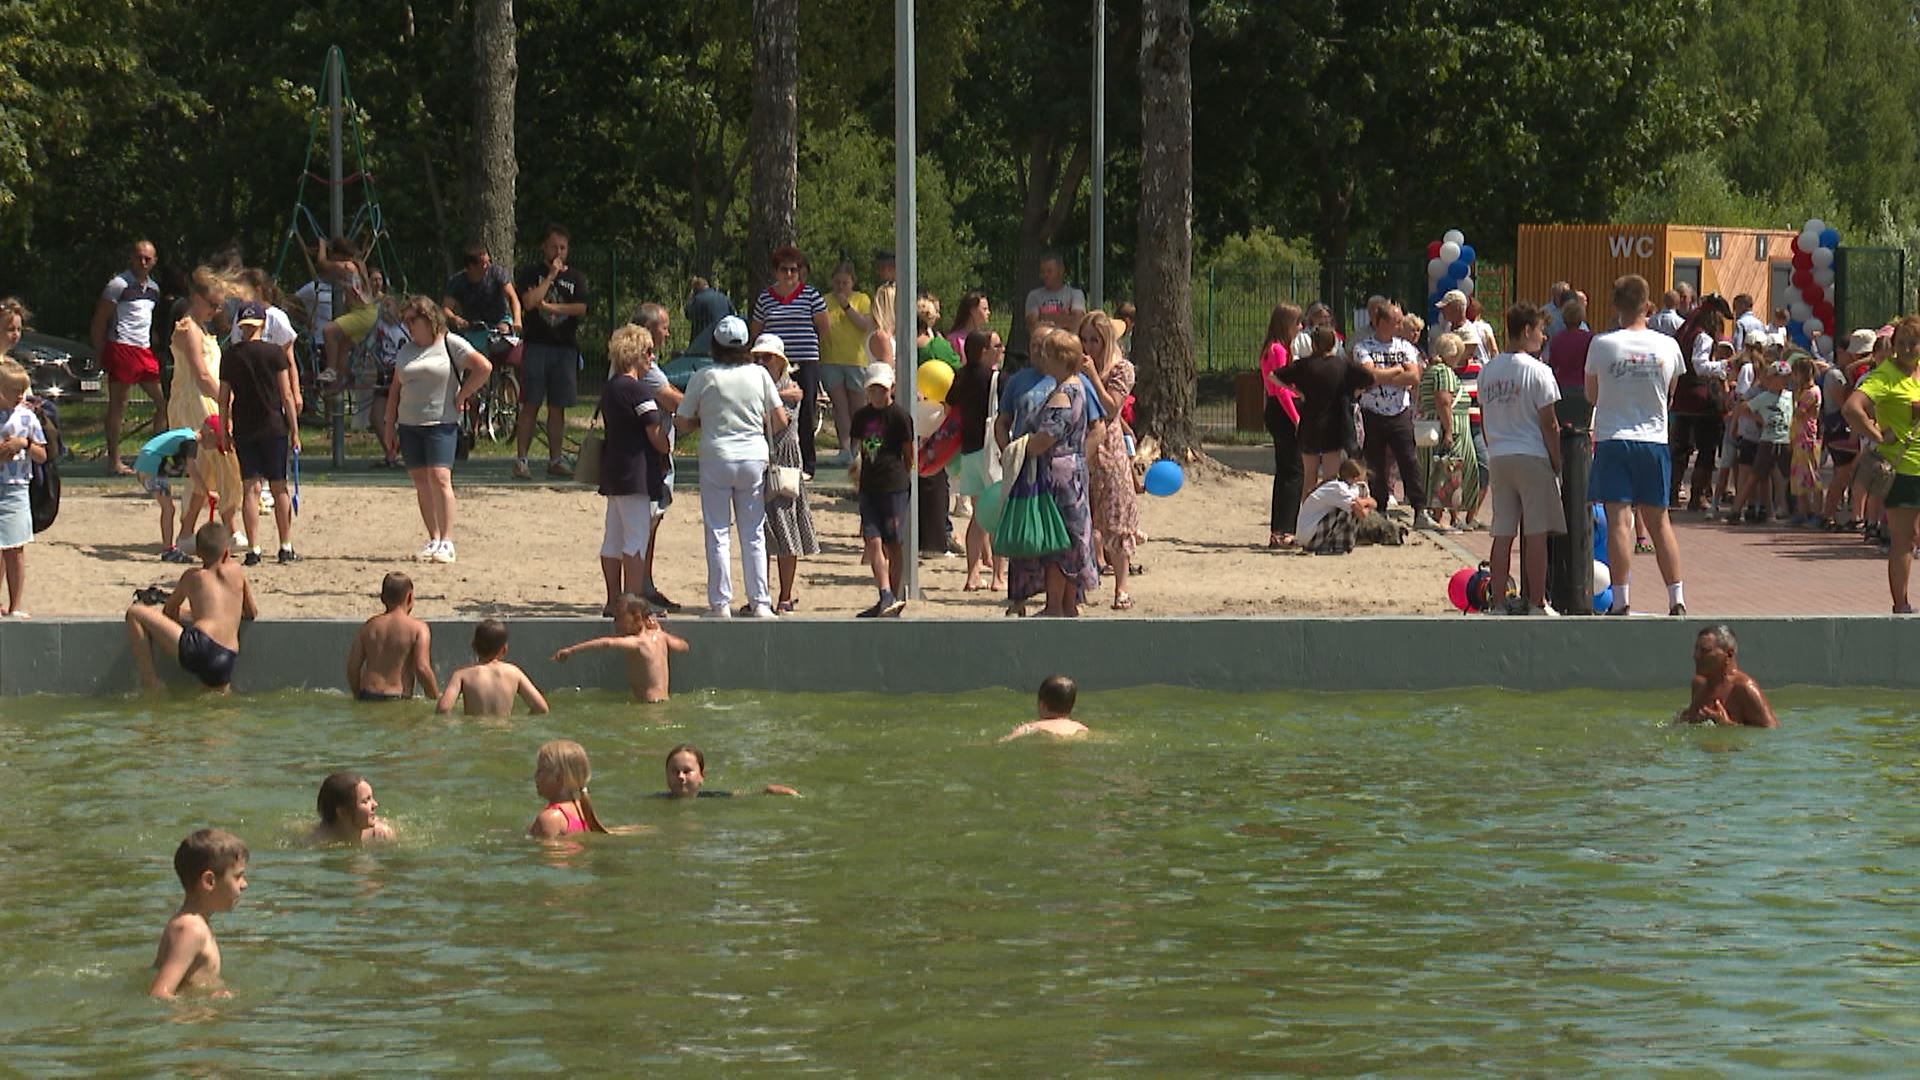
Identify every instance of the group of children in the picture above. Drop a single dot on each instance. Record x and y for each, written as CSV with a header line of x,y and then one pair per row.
x,y
1774,427
212,863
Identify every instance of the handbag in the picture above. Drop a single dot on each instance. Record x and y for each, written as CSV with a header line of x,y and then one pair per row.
x,y
1426,433
593,446
1030,525
782,484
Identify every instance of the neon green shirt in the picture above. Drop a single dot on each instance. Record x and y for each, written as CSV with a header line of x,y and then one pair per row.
x,y
1893,393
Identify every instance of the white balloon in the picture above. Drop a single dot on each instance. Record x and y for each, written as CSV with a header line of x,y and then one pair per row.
x,y
927,416
1800,311
1792,296
1449,251
1813,327
1454,236
1435,270
1602,577
1822,257
1814,226
1466,285
1823,276
1809,239
1825,345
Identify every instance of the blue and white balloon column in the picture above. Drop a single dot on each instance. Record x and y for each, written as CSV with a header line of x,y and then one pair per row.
x,y
1810,314
1450,262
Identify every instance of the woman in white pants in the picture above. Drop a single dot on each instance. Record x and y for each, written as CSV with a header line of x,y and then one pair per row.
x,y
734,405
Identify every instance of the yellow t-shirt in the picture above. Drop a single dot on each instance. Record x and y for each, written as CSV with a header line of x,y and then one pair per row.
x,y
844,339
1893,393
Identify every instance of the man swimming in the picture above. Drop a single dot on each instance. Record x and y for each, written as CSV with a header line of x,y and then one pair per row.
x,y
1722,693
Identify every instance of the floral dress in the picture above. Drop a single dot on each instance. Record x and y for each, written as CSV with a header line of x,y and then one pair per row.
x,y
1803,477
1115,513
1459,465
790,527
1061,473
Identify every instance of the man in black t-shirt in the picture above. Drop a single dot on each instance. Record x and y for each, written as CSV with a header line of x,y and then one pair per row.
x,y
553,300
884,473
480,297
256,398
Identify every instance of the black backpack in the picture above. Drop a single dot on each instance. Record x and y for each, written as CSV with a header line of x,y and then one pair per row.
x,y
43,491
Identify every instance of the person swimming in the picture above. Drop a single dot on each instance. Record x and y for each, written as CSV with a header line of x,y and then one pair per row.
x,y
347,812
1056,700
687,777
560,774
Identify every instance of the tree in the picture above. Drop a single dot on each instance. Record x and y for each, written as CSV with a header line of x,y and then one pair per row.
x,y
773,135
1163,261
496,171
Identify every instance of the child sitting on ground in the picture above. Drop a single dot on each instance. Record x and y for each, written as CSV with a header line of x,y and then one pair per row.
x,y
1057,696
166,455
212,865
638,635
393,650
687,777
487,688
1330,516
347,812
217,596
560,774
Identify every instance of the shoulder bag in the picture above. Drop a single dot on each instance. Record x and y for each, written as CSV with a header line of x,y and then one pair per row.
x,y
593,446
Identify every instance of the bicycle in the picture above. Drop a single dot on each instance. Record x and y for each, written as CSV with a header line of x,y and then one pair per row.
x,y
496,408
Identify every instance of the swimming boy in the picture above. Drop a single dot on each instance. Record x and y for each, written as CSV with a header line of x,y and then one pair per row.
x,y
1722,693
687,777
1057,696
218,597
212,865
638,635
166,455
487,688
393,650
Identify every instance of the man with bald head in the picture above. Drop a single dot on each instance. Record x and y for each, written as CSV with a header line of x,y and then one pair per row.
x,y
123,341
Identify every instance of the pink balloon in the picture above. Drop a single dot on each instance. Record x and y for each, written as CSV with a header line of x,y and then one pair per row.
x,y
1457,587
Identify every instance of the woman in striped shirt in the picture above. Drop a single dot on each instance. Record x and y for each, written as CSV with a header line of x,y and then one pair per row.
x,y
796,312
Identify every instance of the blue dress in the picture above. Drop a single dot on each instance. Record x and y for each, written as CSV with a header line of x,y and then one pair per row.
x,y
1061,473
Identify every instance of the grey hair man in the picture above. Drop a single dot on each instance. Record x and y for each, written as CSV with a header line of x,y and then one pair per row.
x,y
1722,693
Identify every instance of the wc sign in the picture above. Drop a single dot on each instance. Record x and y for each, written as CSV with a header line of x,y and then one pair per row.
x,y
1622,246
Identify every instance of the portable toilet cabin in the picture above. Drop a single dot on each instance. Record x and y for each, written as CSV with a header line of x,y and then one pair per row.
x,y
1758,262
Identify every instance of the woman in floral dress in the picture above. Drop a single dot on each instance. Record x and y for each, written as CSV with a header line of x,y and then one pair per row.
x,y
1116,516
1057,460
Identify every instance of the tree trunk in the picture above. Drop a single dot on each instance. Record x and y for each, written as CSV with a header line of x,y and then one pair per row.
x,y
1050,198
1163,266
496,172
773,133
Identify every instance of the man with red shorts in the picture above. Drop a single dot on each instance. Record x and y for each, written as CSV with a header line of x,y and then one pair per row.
x,y
123,340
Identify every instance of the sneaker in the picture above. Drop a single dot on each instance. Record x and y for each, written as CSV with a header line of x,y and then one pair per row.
x,y
266,500
286,556
1515,605
719,611
893,610
871,613
427,553
240,541
520,470
444,552
175,555
252,559
1678,611
1620,611
1546,610
1425,523
761,611
560,469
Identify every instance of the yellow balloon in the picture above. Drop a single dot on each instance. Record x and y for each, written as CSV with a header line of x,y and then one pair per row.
x,y
934,379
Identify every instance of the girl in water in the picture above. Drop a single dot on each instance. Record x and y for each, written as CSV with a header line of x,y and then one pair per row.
x,y
560,773
687,776
347,812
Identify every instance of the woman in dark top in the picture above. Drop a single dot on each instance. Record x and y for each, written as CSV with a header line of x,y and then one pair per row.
x,y
1327,382
633,463
972,394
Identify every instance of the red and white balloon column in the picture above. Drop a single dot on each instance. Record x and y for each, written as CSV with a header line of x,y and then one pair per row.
x,y
1810,315
1450,262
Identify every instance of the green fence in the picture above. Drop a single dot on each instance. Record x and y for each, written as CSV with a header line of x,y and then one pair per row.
x,y
1870,288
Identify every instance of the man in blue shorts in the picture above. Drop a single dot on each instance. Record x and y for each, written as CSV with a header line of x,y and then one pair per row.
x,y
553,300
1630,380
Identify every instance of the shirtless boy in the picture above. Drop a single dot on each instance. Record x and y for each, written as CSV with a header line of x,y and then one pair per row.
x,y
217,596
1057,696
212,865
637,634
488,688
393,650
1722,693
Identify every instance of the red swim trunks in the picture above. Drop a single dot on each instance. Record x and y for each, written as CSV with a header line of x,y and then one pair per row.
x,y
130,364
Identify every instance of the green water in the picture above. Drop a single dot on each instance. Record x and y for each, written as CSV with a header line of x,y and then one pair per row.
x,y
1446,885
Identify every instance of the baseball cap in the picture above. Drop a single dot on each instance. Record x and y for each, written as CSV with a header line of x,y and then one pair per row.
x,y
1860,341
882,255
1782,368
253,311
730,331
771,343
880,375
1454,296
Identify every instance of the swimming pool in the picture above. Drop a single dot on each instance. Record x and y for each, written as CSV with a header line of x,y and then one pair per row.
x,y
1459,883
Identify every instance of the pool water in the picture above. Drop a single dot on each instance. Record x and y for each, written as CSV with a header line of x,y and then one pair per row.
x,y
1452,884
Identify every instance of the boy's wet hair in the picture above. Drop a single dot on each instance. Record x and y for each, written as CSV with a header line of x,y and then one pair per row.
x,y
336,794
210,541
209,849
699,758
1058,693
489,638
395,588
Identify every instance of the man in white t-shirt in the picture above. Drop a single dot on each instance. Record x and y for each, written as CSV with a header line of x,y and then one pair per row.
x,y
1055,302
123,342
1517,395
1630,379
1386,410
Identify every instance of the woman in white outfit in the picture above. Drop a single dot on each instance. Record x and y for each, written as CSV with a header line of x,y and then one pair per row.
x,y
734,405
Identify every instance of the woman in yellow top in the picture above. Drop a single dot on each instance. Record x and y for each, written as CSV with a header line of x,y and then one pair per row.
x,y
192,401
843,358
1884,409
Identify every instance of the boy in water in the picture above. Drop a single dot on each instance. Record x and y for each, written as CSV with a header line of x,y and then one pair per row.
x,y
1722,693
218,597
393,650
212,865
1057,696
636,633
488,688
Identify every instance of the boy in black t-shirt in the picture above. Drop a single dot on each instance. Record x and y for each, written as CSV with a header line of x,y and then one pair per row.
x,y
884,474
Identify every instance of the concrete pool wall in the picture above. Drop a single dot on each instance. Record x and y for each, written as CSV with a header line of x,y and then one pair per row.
x,y
89,656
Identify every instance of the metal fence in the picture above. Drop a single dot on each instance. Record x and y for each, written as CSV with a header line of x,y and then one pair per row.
x,y
1870,287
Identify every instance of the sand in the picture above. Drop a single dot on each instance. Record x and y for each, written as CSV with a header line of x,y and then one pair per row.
x,y
532,549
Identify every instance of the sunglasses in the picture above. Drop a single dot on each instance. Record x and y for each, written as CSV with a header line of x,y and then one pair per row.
x,y
789,269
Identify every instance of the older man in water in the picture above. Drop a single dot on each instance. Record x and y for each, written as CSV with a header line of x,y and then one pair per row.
x,y
1722,693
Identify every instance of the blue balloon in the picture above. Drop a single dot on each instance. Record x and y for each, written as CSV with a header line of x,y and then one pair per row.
x,y
1603,601
1795,329
1164,477
1467,254
1433,298
1458,270
1600,533
1830,238
1449,283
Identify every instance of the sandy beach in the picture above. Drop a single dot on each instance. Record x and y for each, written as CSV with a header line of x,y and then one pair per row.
x,y
531,549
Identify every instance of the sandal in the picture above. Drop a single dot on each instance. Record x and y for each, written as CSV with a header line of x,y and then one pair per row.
x,y
1136,569
787,607
1643,547
1123,603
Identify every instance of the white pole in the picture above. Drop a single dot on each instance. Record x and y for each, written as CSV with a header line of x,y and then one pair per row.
x,y
907,288
1097,284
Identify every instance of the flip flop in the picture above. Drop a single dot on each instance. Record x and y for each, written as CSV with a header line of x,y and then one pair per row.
x,y
1124,603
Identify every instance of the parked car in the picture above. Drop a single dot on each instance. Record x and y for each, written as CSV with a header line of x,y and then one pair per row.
x,y
59,367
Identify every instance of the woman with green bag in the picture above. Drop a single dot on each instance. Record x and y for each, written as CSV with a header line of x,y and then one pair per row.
x,y
1046,529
